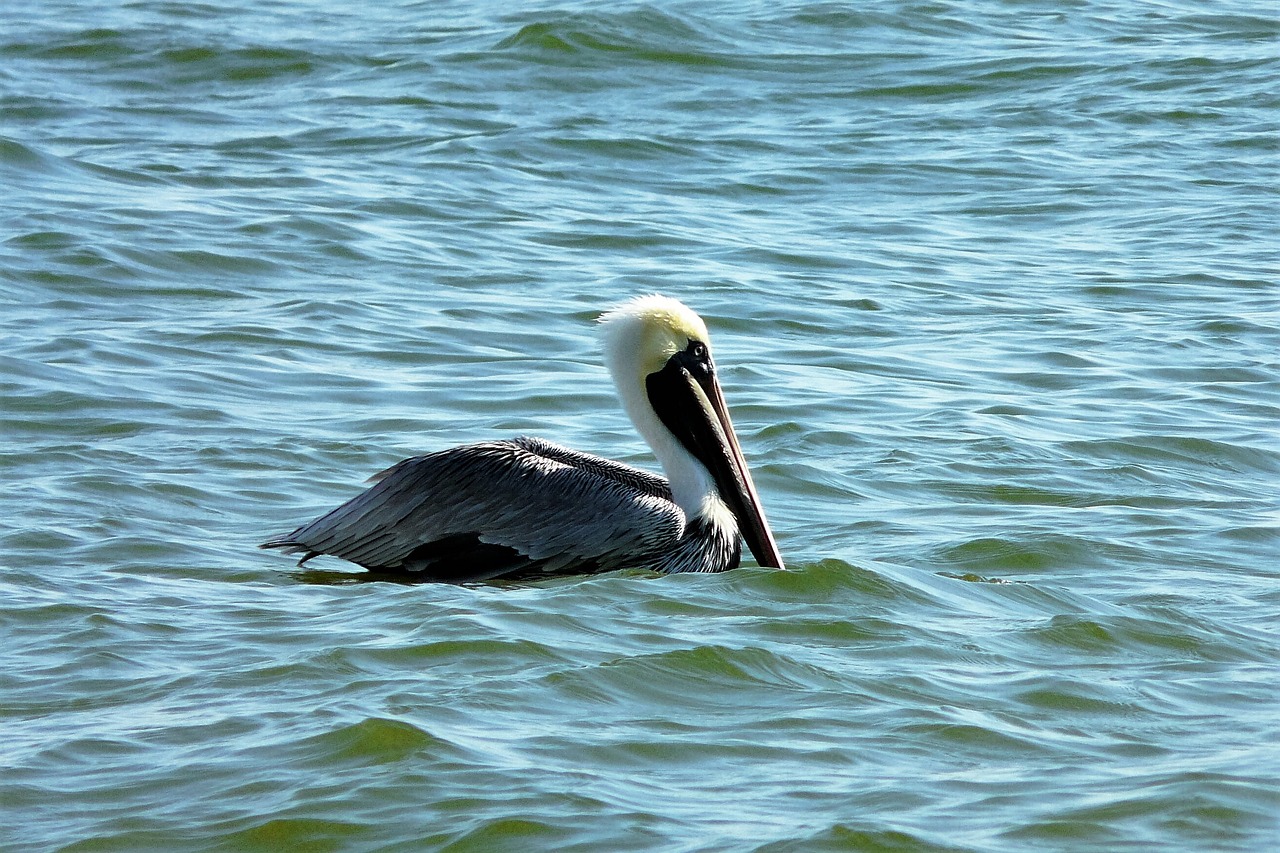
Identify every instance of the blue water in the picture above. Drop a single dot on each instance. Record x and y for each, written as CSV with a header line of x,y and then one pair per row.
x,y
995,294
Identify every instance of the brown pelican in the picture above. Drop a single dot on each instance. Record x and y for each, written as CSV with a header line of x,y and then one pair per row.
x,y
528,506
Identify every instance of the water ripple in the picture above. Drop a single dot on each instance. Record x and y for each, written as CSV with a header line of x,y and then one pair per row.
x,y
993,291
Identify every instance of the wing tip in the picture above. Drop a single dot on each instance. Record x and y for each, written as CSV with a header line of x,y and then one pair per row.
x,y
291,546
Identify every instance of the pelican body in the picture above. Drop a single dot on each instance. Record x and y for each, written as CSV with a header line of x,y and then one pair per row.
x,y
528,506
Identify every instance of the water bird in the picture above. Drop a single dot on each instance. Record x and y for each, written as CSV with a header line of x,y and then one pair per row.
x,y
527,506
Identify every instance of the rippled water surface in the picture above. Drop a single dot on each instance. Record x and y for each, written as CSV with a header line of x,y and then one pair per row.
x,y
994,291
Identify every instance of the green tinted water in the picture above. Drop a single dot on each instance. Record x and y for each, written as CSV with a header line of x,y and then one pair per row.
x,y
994,293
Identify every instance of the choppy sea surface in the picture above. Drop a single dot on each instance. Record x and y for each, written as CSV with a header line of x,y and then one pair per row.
x,y
995,293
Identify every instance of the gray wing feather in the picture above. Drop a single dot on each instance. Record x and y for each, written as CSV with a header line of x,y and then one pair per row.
x,y
553,505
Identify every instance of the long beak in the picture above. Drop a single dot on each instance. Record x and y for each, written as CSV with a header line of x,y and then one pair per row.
x,y
695,411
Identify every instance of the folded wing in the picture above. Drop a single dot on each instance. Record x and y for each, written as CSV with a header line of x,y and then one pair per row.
x,y
498,508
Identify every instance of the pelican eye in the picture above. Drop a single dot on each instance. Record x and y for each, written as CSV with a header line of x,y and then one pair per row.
x,y
697,360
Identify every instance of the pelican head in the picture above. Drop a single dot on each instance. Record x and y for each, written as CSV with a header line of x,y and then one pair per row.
x,y
659,355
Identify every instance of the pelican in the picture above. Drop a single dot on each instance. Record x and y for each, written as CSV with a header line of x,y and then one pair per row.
x,y
529,507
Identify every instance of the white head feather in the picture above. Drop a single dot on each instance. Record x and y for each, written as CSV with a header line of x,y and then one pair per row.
x,y
640,336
